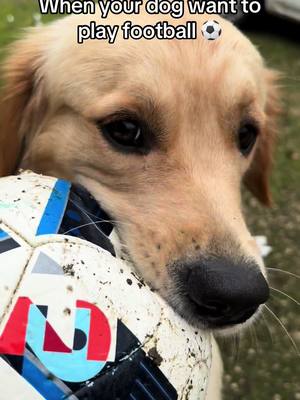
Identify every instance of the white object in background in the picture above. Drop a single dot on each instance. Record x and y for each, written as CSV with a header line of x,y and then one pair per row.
x,y
286,8
10,18
262,243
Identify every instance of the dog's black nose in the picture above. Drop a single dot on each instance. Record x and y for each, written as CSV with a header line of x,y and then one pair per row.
x,y
225,293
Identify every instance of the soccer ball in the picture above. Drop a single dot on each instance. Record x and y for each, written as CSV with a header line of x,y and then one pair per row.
x,y
76,322
211,30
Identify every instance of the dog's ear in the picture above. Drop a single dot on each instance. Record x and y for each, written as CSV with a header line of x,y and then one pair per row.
x,y
22,99
257,177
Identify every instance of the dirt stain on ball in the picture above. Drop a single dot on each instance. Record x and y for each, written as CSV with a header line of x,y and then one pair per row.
x,y
155,356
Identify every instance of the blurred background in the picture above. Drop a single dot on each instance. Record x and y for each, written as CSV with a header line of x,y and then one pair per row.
x,y
263,363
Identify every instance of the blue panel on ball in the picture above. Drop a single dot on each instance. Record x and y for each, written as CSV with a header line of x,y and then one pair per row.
x,y
41,382
3,235
6,242
55,209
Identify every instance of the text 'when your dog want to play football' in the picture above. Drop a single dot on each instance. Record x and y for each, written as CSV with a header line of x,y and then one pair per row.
x,y
175,8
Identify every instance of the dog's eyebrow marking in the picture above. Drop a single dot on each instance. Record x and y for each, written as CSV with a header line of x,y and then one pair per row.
x,y
134,105
150,111
244,109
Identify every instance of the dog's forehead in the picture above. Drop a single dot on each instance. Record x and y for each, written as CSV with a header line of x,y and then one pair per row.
x,y
160,69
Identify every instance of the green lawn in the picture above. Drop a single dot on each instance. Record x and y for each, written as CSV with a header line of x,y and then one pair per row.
x,y
23,12
260,367
265,365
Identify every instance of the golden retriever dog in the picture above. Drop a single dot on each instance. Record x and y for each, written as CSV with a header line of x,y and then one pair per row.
x,y
163,133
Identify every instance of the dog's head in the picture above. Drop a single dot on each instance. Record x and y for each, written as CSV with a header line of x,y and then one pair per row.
x,y
162,133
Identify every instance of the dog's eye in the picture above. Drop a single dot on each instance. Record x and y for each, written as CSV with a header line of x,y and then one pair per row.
x,y
125,134
247,138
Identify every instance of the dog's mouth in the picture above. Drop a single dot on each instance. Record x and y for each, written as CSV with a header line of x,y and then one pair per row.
x,y
210,318
212,313
214,316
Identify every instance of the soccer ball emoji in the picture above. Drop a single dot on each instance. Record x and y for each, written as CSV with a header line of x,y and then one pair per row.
x,y
211,30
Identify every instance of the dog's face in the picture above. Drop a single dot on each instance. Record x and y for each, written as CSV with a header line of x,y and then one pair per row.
x,y
162,133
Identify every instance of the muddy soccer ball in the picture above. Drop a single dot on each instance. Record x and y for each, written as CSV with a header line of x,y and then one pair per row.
x,y
76,322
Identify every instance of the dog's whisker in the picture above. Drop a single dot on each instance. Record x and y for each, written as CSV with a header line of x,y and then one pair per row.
x,y
124,246
85,213
286,295
253,341
83,210
89,214
284,329
237,342
268,328
284,272
84,226
255,337
290,78
235,352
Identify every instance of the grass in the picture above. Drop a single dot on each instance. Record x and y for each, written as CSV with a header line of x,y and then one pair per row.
x,y
23,12
262,368
265,366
